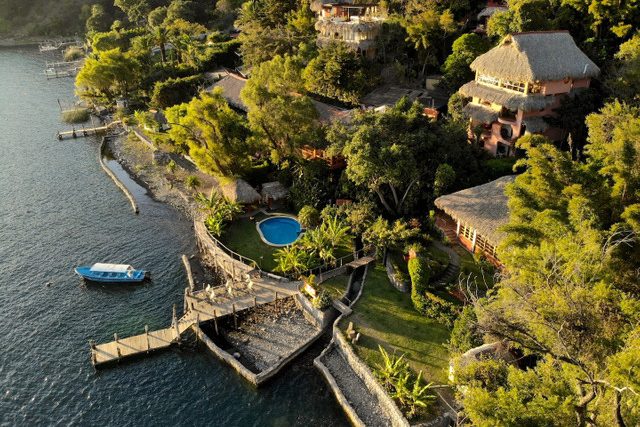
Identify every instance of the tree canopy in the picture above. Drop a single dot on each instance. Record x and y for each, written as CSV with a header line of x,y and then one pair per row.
x,y
217,136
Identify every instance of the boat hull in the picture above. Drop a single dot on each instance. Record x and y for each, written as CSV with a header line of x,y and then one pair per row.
x,y
137,276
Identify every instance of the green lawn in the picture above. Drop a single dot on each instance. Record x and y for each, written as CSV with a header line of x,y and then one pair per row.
x,y
336,286
242,237
386,316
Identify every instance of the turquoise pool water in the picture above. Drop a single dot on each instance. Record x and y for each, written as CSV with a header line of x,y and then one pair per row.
x,y
279,230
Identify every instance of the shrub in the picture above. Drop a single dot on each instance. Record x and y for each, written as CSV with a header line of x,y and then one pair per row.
x,y
176,91
73,53
309,217
402,385
76,115
322,301
192,182
465,334
438,308
419,273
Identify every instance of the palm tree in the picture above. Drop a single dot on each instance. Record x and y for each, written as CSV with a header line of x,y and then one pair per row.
x,y
336,232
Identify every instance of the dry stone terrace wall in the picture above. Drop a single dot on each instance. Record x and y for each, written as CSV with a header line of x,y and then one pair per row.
x,y
362,370
215,256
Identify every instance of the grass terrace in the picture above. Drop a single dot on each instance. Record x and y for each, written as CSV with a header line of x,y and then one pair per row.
x,y
241,236
386,316
336,286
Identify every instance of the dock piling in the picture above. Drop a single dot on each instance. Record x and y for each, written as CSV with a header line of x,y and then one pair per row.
x,y
146,332
215,321
235,318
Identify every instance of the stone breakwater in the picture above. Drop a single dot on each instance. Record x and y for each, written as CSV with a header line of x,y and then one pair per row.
x,y
115,179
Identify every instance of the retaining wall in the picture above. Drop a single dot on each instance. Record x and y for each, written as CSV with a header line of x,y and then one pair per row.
x,y
330,274
214,256
115,179
400,285
386,403
322,319
261,377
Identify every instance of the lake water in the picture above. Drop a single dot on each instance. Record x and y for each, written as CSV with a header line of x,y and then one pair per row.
x,y
58,209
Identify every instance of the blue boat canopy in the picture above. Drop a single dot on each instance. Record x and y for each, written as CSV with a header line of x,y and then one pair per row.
x,y
111,268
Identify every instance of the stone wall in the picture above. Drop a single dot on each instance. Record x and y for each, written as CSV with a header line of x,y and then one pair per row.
x,y
402,286
216,257
362,370
115,179
322,319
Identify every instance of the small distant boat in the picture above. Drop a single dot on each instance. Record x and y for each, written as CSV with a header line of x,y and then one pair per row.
x,y
111,273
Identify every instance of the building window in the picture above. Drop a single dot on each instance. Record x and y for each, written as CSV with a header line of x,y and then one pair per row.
x,y
518,87
484,246
466,232
488,80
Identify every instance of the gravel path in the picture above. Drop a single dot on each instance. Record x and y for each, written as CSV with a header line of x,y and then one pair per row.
x,y
360,398
270,333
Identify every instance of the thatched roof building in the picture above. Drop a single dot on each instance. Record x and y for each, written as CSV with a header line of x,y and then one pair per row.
x,y
511,100
231,86
489,11
536,56
239,191
484,208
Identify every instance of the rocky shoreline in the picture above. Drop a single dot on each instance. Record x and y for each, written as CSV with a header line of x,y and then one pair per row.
x,y
137,159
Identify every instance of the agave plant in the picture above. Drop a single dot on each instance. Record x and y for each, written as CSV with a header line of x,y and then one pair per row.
x,y
391,369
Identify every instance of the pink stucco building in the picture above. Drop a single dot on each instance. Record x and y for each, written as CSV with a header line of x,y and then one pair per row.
x,y
521,82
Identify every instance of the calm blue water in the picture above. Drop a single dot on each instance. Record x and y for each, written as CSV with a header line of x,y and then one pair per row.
x,y
280,230
57,210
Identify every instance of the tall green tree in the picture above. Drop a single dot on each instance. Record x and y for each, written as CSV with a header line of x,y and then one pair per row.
x,y
215,134
273,27
466,48
337,72
110,75
281,118
624,81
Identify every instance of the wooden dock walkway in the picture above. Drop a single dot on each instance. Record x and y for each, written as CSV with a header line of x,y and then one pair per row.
x,y
82,132
199,307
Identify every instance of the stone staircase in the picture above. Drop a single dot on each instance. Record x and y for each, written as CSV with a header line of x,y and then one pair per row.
x,y
450,274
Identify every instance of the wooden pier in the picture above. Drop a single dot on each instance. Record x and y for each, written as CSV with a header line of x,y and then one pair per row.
x,y
56,70
84,132
200,306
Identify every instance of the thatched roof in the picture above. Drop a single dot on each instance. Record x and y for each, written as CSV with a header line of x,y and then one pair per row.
x,y
480,113
239,191
273,190
483,207
488,11
231,86
536,56
511,100
535,124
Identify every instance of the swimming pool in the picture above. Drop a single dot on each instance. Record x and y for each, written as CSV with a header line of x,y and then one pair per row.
x,y
279,230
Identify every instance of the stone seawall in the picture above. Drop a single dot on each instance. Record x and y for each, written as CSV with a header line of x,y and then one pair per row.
x,y
216,257
115,179
386,403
